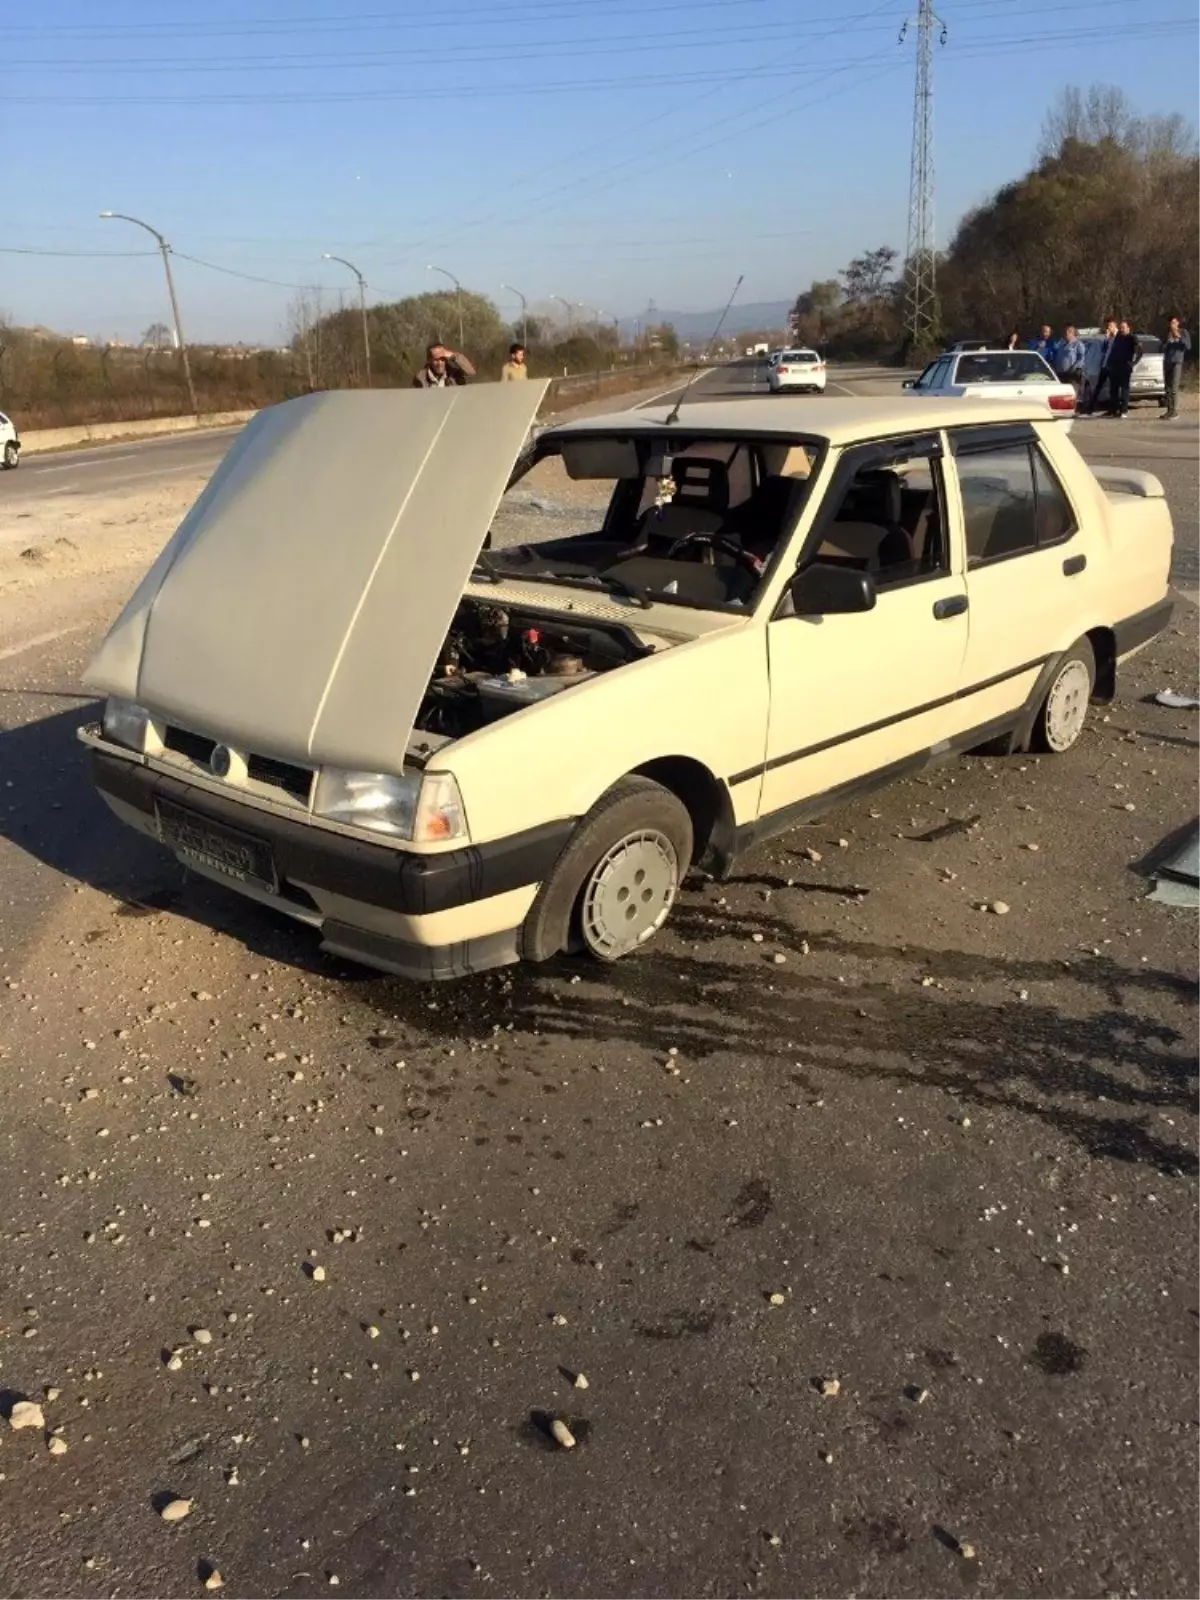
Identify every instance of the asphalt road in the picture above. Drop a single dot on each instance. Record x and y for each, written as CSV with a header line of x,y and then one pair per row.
x,y
104,469
944,1157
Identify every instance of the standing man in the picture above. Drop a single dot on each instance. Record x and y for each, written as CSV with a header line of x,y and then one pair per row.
x,y
1103,376
1045,339
1069,355
1124,353
1177,346
443,369
514,369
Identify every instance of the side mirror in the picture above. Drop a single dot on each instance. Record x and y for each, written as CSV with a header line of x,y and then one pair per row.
x,y
909,383
823,590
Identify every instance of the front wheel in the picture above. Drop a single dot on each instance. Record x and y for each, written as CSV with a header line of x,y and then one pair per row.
x,y
614,885
1062,714
12,456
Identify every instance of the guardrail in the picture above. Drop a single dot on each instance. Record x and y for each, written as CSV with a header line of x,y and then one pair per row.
x,y
573,388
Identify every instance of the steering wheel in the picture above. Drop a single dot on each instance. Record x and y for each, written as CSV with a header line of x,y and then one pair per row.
x,y
713,542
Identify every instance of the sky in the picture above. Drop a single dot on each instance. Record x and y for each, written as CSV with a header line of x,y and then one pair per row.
x,y
612,152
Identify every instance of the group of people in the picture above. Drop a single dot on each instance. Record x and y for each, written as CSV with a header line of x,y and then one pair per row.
x,y
1120,352
449,369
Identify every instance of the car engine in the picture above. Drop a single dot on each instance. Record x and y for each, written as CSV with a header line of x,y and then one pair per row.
x,y
495,661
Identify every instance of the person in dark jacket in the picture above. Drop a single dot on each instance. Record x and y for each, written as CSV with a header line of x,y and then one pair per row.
x,y
443,369
1177,346
1124,353
1103,377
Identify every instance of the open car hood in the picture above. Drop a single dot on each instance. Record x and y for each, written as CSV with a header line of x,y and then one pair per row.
x,y
300,605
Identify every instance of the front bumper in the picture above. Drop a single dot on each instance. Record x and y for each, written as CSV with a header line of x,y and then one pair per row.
x,y
421,916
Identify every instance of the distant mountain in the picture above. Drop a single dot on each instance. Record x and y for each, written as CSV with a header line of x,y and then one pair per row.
x,y
749,318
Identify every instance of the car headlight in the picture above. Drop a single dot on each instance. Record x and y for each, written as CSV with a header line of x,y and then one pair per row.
x,y
424,807
125,723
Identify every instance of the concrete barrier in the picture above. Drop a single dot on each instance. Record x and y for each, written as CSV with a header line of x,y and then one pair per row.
x,y
42,439
575,387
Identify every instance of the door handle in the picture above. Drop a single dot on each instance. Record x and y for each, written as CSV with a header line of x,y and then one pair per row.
x,y
1073,564
954,606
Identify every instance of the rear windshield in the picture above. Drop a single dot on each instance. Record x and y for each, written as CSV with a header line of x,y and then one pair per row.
x,y
795,357
1006,366
1150,345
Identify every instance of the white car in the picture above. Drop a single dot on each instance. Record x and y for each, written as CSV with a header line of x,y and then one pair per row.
x,y
10,443
798,370
996,375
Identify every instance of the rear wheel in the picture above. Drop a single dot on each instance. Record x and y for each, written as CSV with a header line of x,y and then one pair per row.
x,y
12,455
1062,714
614,885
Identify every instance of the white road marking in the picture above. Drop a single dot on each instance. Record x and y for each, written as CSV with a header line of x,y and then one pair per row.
x,y
676,388
100,461
133,477
42,638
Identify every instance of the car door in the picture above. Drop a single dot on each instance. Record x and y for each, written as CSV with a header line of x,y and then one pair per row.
x,y
1025,564
933,378
860,694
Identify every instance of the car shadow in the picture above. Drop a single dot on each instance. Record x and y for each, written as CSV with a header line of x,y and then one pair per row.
x,y
1095,1068
54,814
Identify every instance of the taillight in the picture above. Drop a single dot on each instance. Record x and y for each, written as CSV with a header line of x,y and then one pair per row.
x,y
1062,402
783,369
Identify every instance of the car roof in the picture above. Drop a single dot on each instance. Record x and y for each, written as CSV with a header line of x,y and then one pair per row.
x,y
841,420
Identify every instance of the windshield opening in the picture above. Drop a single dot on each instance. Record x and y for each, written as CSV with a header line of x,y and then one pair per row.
x,y
682,519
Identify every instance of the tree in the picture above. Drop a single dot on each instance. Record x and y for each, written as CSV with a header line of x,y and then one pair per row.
x,y
159,336
867,277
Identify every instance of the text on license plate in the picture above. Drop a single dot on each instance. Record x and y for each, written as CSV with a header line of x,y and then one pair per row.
x,y
210,844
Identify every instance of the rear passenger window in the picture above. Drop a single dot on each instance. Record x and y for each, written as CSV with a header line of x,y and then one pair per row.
x,y
1012,502
1055,519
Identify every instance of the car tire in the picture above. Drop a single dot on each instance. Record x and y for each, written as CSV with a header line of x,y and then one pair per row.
x,y
12,456
1060,718
613,887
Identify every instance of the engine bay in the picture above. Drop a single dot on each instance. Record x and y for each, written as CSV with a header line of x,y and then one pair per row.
x,y
499,659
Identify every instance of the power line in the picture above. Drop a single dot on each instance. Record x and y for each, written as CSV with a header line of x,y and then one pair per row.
x,y
531,11
535,49
24,250
251,277
611,44
1002,45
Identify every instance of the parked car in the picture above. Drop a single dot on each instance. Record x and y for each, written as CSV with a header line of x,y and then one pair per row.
x,y
798,370
10,443
997,375
1149,380
327,694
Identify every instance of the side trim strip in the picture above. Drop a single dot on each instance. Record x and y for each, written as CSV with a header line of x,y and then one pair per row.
x,y
884,722
814,806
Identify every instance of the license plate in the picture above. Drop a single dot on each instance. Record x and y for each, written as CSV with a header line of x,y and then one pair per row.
x,y
225,850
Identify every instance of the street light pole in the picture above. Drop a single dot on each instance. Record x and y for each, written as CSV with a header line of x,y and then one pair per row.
x,y
362,306
524,306
458,296
180,342
570,310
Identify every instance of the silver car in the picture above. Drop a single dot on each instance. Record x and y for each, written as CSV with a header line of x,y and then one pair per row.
x,y
1148,382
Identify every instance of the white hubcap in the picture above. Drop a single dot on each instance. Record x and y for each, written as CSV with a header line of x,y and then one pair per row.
x,y
630,893
1067,704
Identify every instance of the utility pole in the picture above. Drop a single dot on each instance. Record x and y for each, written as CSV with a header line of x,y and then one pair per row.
x,y
920,255
362,306
180,342
458,296
508,288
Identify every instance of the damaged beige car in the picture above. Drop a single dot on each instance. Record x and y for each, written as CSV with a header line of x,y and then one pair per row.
x,y
361,686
